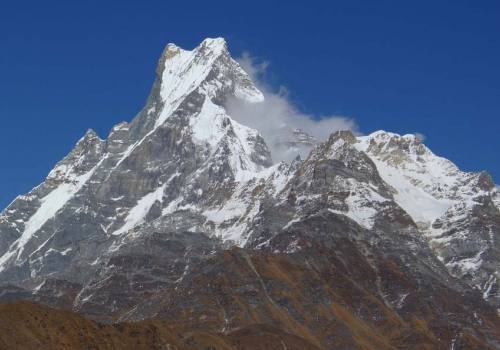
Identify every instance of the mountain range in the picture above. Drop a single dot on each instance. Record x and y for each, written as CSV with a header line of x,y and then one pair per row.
x,y
181,223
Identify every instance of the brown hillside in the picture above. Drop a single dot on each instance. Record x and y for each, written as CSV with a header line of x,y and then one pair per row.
x,y
25,325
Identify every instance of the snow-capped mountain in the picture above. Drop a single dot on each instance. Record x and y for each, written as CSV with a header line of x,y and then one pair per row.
x,y
181,149
143,223
456,211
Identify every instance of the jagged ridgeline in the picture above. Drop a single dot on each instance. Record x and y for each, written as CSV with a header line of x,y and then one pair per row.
x,y
182,216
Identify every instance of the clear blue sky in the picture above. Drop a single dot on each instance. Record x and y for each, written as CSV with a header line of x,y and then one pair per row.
x,y
404,66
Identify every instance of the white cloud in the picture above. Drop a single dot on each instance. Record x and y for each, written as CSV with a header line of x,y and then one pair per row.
x,y
278,113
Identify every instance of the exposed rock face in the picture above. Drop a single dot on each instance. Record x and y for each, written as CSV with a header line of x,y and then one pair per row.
x,y
182,215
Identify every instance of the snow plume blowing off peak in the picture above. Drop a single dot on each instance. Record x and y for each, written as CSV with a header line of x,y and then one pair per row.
x,y
288,131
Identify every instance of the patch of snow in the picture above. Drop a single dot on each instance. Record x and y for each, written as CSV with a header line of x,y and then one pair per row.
x,y
231,220
62,252
488,286
290,223
468,265
137,214
401,300
212,125
420,205
184,71
49,206
37,288
207,126
233,209
173,206
293,247
363,204
127,153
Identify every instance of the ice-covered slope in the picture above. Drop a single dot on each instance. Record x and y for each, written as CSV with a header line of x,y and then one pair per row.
x,y
455,210
426,185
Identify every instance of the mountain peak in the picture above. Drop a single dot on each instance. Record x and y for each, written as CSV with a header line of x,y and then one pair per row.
x,y
90,135
345,135
209,45
383,142
208,70
171,50
214,43
384,136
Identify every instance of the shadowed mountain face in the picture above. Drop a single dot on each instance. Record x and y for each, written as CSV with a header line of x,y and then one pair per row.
x,y
181,220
